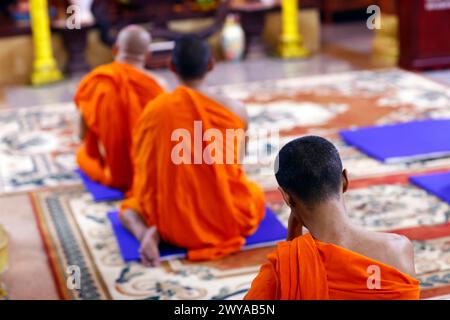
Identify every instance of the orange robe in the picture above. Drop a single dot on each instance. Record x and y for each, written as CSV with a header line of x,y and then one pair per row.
x,y
207,208
307,269
111,99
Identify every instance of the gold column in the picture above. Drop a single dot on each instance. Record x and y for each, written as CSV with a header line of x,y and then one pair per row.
x,y
3,259
291,42
45,69
386,46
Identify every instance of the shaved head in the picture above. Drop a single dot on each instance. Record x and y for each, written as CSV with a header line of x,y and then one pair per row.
x,y
191,57
132,44
310,168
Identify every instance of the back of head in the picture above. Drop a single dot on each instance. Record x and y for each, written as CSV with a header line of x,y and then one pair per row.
x,y
133,43
310,169
191,57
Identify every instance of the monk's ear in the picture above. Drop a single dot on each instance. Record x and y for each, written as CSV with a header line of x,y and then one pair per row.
x,y
115,50
287,198
345,182
172,67
148,57
211,64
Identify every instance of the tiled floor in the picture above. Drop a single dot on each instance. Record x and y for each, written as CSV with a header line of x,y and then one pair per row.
x,y
223,73
345,47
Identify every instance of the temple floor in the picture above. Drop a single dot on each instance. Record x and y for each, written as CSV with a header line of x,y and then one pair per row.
x,y
346,47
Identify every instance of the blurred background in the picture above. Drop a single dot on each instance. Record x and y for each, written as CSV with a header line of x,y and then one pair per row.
x,y
412,33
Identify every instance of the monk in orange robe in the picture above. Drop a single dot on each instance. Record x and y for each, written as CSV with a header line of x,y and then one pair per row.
x,y
336,259
111,99
189,188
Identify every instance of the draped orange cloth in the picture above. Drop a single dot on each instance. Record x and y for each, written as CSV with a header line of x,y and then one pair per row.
x,y
206,208
307,269
111,99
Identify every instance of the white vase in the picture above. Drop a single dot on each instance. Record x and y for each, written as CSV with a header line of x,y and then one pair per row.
x,y
232,39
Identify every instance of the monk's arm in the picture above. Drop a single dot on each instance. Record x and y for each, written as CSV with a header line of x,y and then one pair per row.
x,y
147,236
134,223
239,108
83,128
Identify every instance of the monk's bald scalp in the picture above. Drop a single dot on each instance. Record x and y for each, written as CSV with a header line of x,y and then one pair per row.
x,y
133,41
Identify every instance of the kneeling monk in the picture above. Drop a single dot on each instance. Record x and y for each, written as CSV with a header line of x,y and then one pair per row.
x,y
110,100
336,259
182,193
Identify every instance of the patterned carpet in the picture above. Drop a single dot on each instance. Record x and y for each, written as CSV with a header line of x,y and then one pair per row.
x,y
76,230
37,147
37,144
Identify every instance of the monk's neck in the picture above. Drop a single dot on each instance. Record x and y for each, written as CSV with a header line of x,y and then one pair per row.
x,y
196,84
136,63
328,222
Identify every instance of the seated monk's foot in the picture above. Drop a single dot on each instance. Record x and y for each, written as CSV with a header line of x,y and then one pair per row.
x,y
149,250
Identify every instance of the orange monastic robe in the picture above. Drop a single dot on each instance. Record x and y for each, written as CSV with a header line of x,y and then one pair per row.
x,y
111,99
206,208
307,269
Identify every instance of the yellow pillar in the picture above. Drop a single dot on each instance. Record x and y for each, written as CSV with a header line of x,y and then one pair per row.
x,y
3,259
291,42
386,46
45,69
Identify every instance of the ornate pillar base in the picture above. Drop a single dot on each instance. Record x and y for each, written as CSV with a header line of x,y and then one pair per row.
x,y
3,293
3,260
289,48
45,72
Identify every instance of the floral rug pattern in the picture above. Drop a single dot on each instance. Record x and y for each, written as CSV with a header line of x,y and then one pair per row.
x,y
77,231
37,147
37,144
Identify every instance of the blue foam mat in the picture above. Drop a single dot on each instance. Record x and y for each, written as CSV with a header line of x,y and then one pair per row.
x,y
98,191
406,142
437,184
269,232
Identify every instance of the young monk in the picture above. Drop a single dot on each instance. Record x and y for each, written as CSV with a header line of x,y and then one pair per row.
x,y
179,194
336,259
110,100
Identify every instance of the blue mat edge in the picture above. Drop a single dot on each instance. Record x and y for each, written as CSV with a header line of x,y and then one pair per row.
x,y
417,181
88,184
345,135
184,253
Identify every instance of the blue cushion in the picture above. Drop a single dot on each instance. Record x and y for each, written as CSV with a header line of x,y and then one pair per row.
x,y
437,184
269,232
98,191
404,142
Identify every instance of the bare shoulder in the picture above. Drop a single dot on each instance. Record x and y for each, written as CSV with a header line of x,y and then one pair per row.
x,y
399,251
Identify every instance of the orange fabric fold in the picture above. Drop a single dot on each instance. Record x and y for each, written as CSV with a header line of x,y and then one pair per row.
x,y
307,269
111,99
207,208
